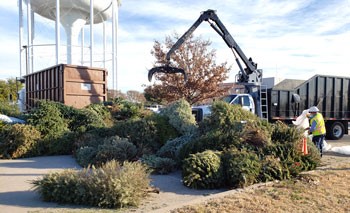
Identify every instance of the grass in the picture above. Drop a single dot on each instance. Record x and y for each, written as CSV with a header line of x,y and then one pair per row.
x,y
322,190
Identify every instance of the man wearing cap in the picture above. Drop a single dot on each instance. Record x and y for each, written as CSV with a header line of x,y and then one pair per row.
x,y
317,127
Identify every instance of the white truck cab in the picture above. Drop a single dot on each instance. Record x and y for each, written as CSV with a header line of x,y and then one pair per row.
x,y
245,100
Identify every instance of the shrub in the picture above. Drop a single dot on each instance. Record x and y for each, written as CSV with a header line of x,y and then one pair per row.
x,y
180,117
81,120
146,133
311,160
282,133
102,112
203,170
271,169
9,109
165,130
110,186
224,115
63,145
48,119
122,109
213,140
115,148
256,133
18,140
241,168
86,156
89,139
173,146
159,165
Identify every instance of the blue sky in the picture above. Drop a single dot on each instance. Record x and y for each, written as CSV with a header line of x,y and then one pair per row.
x,y
288,39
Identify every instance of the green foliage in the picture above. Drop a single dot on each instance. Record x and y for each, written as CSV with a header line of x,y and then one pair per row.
x,y
141,132
48,119
86,156
241,168
115,148
213,140
99,109
81,120
203,170
271,169
89,139
180,117
224,115
311,160
63,145
146,133
173,146
8,90
159,165
110,186
283,133
165,130
256,133
9,109
18,140
122,109
111,148
286,152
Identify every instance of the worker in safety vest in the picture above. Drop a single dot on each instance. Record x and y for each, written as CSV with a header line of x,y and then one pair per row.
x,y
317,127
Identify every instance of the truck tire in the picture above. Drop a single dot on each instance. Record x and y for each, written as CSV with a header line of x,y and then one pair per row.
x,y
335,131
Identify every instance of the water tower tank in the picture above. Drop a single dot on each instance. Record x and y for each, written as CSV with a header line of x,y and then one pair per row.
x,y
74,14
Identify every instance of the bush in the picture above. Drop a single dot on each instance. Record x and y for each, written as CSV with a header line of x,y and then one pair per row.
x,y
102,112
159,165
224,115
110,186
213,140
146,133
165,130
172,147
86,156
63,145
241,168
180,117
18,140
48,119
256,133
122,109
271,169
9,109
88,139
282,133
115,148
311,160
203,170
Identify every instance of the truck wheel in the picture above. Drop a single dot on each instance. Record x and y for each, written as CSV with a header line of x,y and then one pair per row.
x,y
335,131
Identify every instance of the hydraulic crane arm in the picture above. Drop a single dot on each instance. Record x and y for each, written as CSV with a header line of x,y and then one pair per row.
x,y
214,21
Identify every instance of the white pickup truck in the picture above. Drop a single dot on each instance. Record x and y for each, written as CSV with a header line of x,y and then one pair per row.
x,y
245,100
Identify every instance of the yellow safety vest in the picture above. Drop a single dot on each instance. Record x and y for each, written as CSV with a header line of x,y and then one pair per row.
x,y
320,126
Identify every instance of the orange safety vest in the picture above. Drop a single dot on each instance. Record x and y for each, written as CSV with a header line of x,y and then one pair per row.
x,y
320,125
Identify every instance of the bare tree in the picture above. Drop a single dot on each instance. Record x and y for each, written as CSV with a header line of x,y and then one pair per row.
x,y
204,75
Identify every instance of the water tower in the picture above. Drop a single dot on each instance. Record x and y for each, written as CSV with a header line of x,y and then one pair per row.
x,y
72,15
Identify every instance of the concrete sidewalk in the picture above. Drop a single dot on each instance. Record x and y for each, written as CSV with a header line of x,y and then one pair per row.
x,y
16,193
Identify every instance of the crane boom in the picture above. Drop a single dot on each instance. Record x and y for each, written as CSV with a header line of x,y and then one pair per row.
x,y
250,74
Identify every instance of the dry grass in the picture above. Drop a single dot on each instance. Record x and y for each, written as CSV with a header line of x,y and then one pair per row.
x,y
321,190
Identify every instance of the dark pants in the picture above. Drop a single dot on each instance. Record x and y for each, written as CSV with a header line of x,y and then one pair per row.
x,y
318,141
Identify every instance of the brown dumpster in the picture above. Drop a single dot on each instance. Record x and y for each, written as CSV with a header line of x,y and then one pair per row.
x,y
76,86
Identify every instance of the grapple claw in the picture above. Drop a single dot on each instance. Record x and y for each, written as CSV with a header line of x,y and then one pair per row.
x,y
166,69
